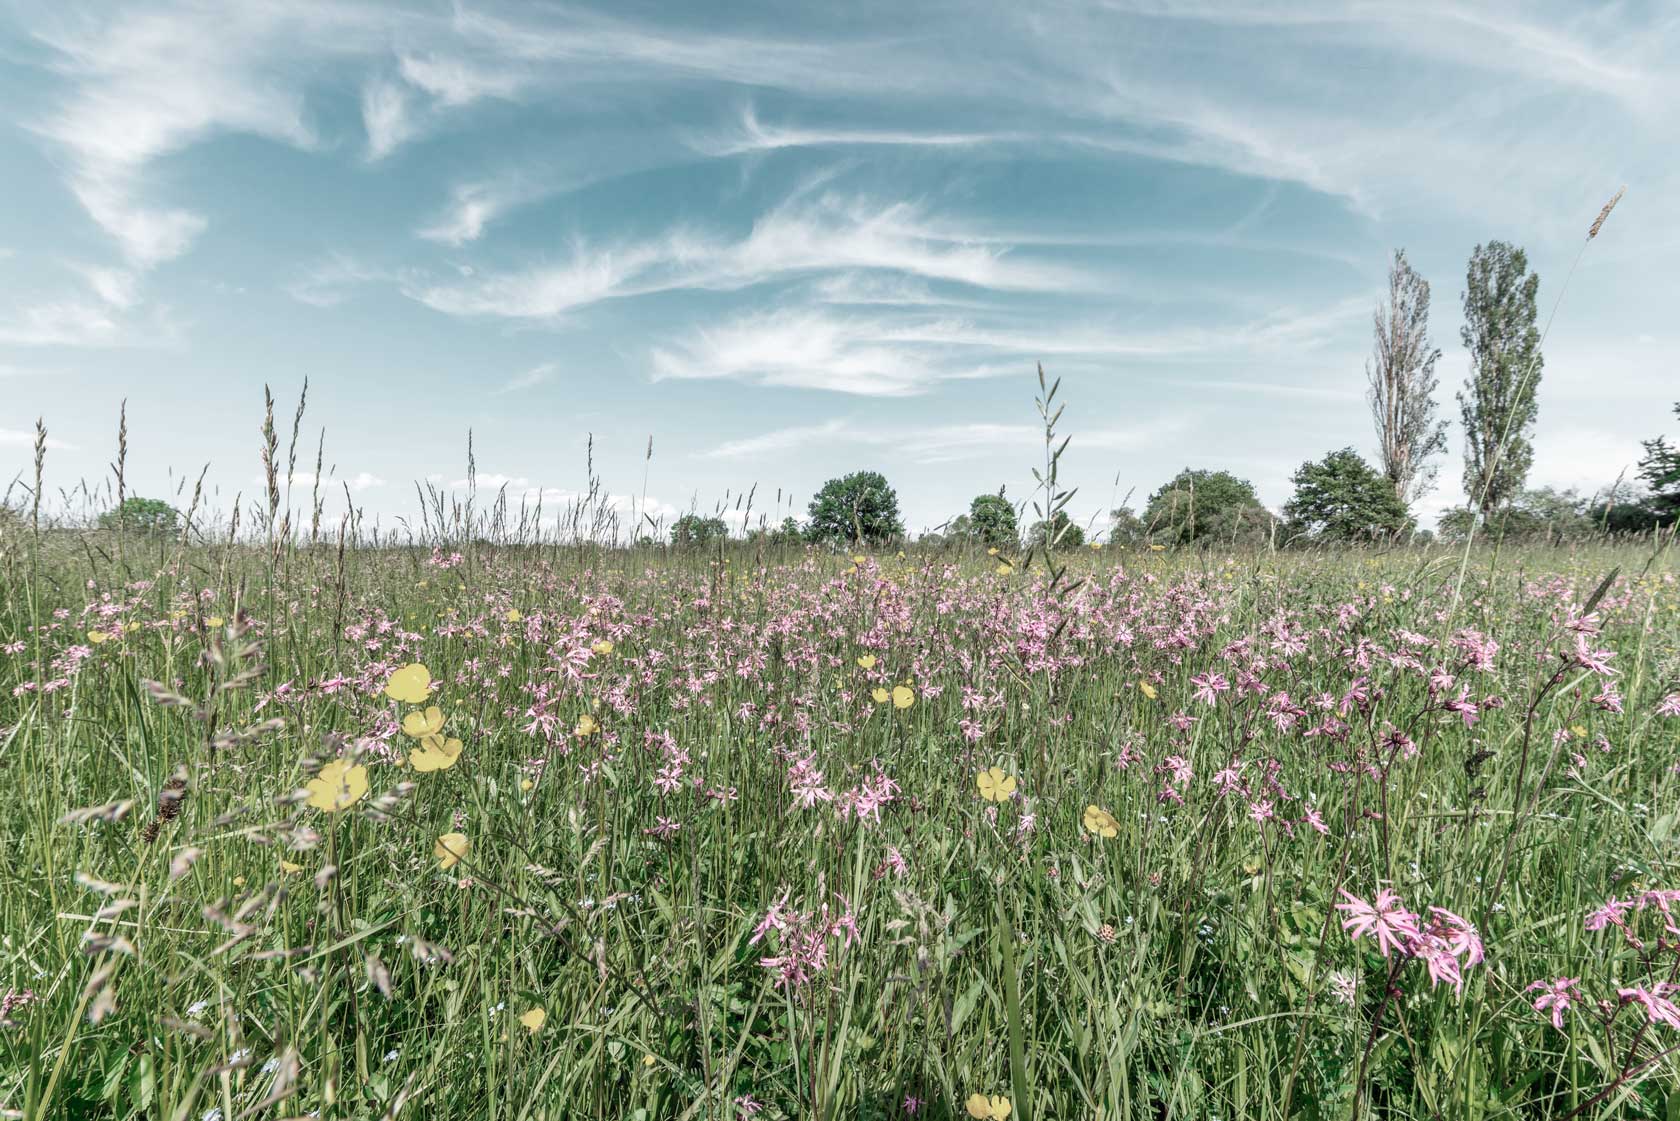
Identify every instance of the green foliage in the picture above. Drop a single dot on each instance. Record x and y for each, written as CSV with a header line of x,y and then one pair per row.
x,y
1201,505
693,531
142,515
991,519
1125,527
1547,514
1060,533
858,509
1499,401
1659,468
1342,498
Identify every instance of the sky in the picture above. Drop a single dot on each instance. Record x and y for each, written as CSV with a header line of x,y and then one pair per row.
x,y
790,241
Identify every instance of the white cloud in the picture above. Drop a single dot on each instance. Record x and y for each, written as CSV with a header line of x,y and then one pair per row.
x,y
333,280
305,480
529,379
901,355
827,234
940,443
385,117
62,323
456,82
25,438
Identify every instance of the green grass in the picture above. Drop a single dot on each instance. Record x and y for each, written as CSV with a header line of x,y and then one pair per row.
x,y
1183,968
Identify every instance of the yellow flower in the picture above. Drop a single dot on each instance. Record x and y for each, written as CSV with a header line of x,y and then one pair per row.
x,y
859,559
1005,569
996,1108
1095,545
1146,689
1157,548
603,647
534,1019
526,784
647,1060
992,552
880,696
239,881
450,848
995,784
587,725
289,868
435,754
867,661
1099,821
130,628
419,725
97,637
513,615
903,696
338,786
411,684
213,621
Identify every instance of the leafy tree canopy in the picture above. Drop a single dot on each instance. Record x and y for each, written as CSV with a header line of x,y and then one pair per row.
x,y
1200,505
142,515
1061,532
991,518
860,508
692,531
1342,498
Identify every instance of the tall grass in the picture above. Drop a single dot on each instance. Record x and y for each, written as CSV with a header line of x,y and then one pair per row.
x,y
726,853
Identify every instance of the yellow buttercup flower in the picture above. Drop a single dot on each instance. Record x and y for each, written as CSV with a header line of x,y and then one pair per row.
x,y
435,754
513,615
338,786
996,785
996,1107
411,684
419,725
534,1019
449,850
213,621
130,628
1095,545
880,696
903,696
289,868
859,559
867,661
992,552
604,646
1099,821
587,725
1005,569
97,637
1157,548
1146,689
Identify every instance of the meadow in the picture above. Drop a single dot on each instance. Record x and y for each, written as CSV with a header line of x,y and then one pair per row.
x,y
477,827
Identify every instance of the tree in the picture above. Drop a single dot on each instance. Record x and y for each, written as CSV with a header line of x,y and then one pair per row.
x,y
142,515
1061,533
859,508
1402,384
1200,504
1499,403
1125,527
992,520
1342,498
1659,468
1548,513
694,531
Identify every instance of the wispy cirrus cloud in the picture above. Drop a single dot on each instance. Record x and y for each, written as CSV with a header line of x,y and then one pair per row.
x,y
530,379
828,234
898,355
939,443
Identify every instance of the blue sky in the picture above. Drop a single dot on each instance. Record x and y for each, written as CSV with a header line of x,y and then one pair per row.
x,y
789,241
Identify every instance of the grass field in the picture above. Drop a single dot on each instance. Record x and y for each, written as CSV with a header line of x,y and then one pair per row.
x,y
808,834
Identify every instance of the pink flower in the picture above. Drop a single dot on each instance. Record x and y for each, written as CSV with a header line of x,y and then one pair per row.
x,y
1658,1008
1555,996
1388,922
